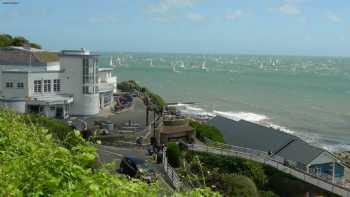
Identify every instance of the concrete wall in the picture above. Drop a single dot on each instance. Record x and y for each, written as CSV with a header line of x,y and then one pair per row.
x,y
14,77
19,106
83,104
44,76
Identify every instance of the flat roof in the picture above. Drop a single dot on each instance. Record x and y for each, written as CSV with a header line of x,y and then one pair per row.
x,y
250,135
51,99
176,129
105,69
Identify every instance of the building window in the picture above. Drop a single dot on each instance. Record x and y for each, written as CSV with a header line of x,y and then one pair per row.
x,y
20,85
9,85
37,85
47,85
89,76
56,85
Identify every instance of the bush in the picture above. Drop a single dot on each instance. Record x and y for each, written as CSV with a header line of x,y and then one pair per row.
x,y
173,154
7,40
235,165
204,131
63,134
33,164
131,85
237,185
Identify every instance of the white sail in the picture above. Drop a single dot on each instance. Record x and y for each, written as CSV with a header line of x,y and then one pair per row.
x,y
111,61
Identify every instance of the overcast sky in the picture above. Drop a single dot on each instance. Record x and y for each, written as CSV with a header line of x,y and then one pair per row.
x,y
292,27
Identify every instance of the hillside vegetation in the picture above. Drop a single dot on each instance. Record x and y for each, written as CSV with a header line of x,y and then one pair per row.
x,y
7,40
42,157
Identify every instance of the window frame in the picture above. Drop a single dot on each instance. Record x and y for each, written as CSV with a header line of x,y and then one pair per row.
x,y
37,86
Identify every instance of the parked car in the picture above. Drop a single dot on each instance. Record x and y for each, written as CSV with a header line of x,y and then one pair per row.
x,y
137,168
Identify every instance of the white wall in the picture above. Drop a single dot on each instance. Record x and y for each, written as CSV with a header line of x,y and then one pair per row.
x,y
324,157
19,106
83,104
44,76
14,77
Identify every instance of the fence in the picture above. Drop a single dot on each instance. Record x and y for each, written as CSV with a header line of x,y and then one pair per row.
x,y
171,173
264,158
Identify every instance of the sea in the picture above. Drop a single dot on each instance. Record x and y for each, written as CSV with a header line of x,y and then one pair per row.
x,y
305,96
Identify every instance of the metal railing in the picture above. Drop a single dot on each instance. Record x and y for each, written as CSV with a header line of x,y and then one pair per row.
x,y
171,173
263,157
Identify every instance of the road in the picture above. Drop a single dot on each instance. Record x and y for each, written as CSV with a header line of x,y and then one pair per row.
x,y
111,153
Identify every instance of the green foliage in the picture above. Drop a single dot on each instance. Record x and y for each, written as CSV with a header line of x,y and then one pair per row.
x,y
8,40
235,165
131,85
204,131
237,185
267,194
127,86
33,164
173,154
35,45
63,134
19,41
5,40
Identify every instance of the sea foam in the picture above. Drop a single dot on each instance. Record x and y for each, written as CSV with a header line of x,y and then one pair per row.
x,y
261,119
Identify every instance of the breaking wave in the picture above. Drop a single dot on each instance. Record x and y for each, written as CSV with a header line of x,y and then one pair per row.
x,y
261,119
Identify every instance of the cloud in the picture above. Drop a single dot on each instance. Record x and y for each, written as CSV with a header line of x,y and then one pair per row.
x,y
196,18
289,8
333,17
234,14
164,6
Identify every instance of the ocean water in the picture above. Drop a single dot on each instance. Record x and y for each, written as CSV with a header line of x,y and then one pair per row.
x,y
306,96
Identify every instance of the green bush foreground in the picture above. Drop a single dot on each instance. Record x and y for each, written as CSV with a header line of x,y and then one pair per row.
x,y
36,161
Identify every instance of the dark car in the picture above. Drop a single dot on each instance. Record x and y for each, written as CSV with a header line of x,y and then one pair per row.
x,y
137,168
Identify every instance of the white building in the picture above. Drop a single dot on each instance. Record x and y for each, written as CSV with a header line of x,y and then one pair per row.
x,y
54,84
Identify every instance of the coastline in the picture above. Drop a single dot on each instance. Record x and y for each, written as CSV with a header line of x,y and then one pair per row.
x,y
311,138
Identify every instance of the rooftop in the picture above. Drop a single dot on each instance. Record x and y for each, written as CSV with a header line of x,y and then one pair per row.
x,y
176,129
250,135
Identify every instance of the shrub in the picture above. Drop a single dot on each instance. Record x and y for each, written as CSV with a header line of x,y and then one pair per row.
x,y
173,154
63,134
204,131
227,164
237,185
33,164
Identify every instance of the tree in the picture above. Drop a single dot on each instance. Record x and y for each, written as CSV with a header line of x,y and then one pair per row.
x,y
173,153
35,45
5,40
237,185
204,131
19,41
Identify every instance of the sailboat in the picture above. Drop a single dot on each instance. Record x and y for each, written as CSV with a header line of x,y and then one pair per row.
x,y
174,67
111,61
151,63
203,67
182,65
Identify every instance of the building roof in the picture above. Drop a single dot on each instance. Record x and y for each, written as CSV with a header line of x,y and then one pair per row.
x,y
176,129
19,56
51,99
105,69
300,151
250,135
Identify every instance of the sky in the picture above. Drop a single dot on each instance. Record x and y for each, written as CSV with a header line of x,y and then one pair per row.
x,y
281,27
